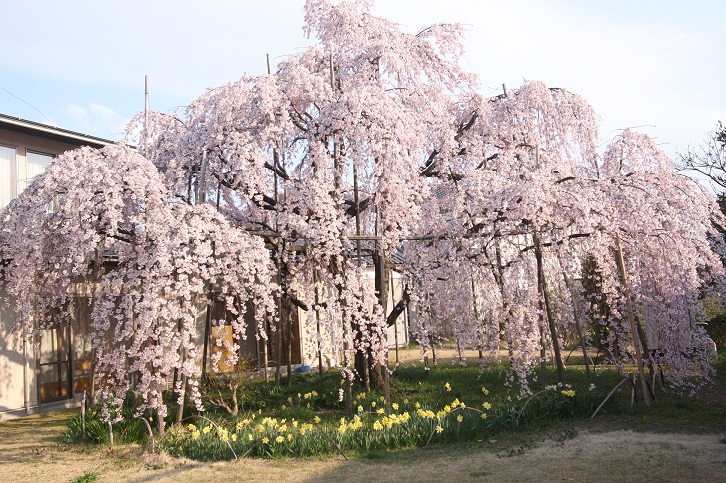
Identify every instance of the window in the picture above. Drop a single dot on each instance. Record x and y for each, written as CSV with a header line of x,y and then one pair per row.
x,y
7,175
35,164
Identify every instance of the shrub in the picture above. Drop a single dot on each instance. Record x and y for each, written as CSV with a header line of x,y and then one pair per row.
x,y
128,430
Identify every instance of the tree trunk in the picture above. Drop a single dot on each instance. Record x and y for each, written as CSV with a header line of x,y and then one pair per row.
x,y
631,319
542,287
278,342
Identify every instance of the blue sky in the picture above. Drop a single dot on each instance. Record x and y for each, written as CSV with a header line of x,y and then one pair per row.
x,y
658,65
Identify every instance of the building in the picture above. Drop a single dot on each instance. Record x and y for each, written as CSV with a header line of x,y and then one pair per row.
x,y
53,370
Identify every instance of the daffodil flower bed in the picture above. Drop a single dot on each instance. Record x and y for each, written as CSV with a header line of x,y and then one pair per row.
x,y
408,424
255,435
449,405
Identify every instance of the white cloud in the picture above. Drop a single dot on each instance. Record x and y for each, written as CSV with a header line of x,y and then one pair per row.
x,y
95,119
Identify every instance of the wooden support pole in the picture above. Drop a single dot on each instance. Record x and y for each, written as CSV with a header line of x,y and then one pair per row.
x,y
317,322
265,343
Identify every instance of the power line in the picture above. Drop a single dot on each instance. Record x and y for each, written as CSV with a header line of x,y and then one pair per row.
x,y
21,100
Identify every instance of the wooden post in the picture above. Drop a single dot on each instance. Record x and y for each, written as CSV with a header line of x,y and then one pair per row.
x,y
395,322
278,340
631,318
180,407
207,334
383,298
476,313
346,364
146,116
542,352
317,321
265,343
160,425
26,374
83,415
288,346
361,357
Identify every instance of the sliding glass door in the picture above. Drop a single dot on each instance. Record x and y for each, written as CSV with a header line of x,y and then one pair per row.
x,y
55,364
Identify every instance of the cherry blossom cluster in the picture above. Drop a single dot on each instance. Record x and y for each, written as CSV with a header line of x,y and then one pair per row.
x,y
286,186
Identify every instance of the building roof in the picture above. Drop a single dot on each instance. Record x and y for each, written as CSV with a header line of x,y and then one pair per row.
x,y
51,132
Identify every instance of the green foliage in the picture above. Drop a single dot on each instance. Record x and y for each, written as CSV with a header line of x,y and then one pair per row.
x,y
226,389
86,478
441,406
598,307
716,329
444,405
128,430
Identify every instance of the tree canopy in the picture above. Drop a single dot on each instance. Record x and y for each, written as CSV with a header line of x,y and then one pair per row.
x,y
286,185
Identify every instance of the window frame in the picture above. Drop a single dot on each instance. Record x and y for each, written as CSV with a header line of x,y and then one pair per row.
x,y
13,175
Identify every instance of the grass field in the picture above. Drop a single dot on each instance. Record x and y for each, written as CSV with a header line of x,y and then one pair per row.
x,y
680,438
